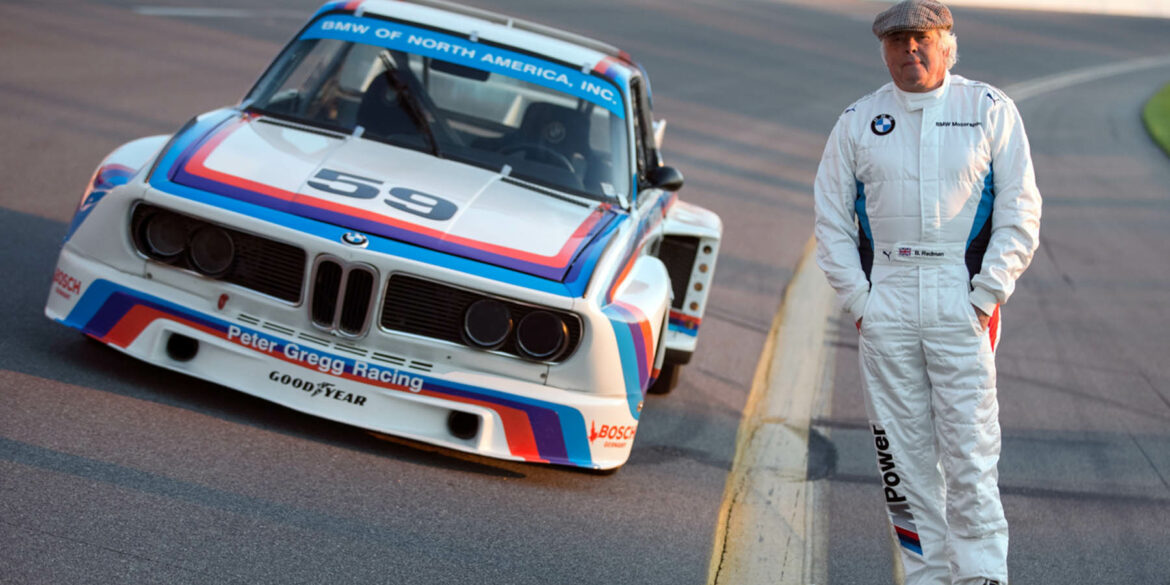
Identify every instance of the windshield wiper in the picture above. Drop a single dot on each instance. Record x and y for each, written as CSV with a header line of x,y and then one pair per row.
x,y
409,101
287,117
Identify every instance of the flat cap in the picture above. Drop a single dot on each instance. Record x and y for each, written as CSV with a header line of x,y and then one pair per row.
x,y
915,15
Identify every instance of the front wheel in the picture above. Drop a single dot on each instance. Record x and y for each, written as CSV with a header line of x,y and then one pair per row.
x,y
667,379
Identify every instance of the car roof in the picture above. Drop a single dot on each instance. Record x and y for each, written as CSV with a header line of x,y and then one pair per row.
x,y
553,43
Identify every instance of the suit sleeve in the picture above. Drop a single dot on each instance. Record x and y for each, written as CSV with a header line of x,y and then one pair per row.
x,y
1015,218
835,193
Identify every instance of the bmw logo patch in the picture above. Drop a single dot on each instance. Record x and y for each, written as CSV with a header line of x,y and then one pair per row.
x,y
882,125
555,132
355,239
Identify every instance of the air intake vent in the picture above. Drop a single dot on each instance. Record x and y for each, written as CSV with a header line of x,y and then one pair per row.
x,y
341,296
326,290
359,290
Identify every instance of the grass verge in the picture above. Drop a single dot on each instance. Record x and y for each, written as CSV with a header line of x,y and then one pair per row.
x,y
1156,115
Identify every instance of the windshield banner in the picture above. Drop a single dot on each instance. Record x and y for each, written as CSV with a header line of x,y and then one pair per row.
x,y
409,39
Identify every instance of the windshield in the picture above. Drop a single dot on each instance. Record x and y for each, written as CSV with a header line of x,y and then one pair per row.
x,y
524,117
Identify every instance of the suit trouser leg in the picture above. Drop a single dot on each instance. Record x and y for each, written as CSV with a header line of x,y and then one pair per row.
x,y
961,367
898,397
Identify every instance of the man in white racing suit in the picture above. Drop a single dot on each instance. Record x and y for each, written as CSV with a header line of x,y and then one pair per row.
x,y
926,214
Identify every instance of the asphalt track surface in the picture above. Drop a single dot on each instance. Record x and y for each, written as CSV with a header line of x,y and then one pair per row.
x,y
113,471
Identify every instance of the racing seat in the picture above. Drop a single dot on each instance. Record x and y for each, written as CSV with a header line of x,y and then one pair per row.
x,y
381,114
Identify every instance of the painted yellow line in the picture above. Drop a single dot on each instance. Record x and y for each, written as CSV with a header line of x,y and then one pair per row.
x,y
766,530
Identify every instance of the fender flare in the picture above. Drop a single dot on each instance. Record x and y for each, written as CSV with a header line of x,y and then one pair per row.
x,y
638,314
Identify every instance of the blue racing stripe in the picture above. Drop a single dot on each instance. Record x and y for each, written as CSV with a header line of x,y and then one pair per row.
x,y
104,181
910,544
436,45
862,215
559,429
621,320
986,201
186,143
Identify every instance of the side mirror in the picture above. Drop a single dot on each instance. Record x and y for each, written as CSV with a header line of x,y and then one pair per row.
x,y
666,178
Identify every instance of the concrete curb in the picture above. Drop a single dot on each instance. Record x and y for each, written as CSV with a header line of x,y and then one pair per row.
x,y
766,531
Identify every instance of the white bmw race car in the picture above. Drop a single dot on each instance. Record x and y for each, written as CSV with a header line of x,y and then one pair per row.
x,y
424,220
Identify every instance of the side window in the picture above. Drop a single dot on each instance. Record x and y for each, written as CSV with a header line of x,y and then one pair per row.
x,y
643,129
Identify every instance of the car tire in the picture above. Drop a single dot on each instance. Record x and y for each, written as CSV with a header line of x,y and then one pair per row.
x,y
667,379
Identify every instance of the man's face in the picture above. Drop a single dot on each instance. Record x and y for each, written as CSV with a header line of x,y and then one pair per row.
x,y
916,59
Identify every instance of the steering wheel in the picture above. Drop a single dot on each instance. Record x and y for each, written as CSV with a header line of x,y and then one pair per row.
x,y
542,152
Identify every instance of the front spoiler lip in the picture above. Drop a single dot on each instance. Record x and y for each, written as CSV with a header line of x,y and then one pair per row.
x,y
515,424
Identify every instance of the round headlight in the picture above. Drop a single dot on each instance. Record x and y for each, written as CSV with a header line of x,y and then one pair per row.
x,y
212,251
486,323
165,235
541,336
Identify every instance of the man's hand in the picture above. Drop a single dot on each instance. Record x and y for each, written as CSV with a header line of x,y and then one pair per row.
x,y
984,318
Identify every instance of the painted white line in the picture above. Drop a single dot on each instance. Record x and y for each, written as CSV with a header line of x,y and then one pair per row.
x,y
1150,8
1037,87
767,525
1147,8
207,12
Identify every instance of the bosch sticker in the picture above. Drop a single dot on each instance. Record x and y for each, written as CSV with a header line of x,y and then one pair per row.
x,y
612,435
65,285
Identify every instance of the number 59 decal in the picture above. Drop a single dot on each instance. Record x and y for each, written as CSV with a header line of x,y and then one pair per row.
x,y
401,198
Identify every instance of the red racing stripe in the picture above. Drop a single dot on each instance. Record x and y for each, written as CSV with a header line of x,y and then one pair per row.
x,y
603,65
196,165
911,536
138,319
993,328
517,426
691,322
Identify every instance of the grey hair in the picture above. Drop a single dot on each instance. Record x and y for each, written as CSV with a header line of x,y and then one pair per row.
x,y
949,42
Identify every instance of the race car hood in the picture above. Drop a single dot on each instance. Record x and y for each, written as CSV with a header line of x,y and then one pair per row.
x,y
398,193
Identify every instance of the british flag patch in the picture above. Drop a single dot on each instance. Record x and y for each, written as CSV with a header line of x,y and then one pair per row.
x,y
905,252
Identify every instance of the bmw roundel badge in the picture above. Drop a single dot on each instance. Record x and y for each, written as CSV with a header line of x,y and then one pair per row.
x,y
355,239
555,132
882,125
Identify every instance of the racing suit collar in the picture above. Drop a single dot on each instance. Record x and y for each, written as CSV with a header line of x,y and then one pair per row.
x,y
918,101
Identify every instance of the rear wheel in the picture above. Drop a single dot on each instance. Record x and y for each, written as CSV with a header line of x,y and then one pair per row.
x,y
667,372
